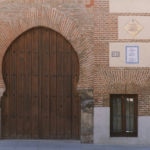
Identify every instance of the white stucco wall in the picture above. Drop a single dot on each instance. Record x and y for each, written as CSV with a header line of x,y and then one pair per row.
x,y
102,129
144,54
129,6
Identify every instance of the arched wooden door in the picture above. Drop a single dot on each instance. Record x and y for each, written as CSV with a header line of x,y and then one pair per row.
x,y
40,70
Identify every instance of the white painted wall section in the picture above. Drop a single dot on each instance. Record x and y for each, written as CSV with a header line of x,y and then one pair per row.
x,y
144,54
129,6
101,124
102,129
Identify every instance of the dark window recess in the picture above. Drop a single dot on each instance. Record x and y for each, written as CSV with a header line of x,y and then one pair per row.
x,y
123,115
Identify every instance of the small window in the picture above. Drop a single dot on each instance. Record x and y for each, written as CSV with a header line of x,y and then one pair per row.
x,y
123,115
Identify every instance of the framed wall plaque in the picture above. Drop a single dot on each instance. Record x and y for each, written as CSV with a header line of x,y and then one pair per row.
x,y
132,54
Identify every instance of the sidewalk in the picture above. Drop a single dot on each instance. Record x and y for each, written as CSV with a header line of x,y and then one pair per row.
x,y
60,145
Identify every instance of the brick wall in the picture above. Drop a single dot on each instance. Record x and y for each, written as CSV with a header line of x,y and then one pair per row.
x,y
89,27
116,80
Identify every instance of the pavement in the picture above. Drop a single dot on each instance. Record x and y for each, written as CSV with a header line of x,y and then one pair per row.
x,y
62,145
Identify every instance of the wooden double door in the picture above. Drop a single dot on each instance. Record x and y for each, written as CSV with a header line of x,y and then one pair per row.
x,y
40,70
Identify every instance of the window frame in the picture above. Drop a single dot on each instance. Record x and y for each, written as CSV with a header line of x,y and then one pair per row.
x,y
123,133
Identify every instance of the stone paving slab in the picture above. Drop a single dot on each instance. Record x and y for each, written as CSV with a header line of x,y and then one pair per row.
x,y
61,145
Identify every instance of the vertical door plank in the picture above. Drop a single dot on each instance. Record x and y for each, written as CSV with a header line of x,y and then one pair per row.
x,y
60,96
40,58
20,87
13,84
67,91
45,82
53,86
35,85
27,84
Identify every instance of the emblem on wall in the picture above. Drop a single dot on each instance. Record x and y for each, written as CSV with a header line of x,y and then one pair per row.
x,y
133,28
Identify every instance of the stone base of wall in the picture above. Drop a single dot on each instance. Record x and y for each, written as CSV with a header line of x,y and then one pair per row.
x,y
87,105
102,129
